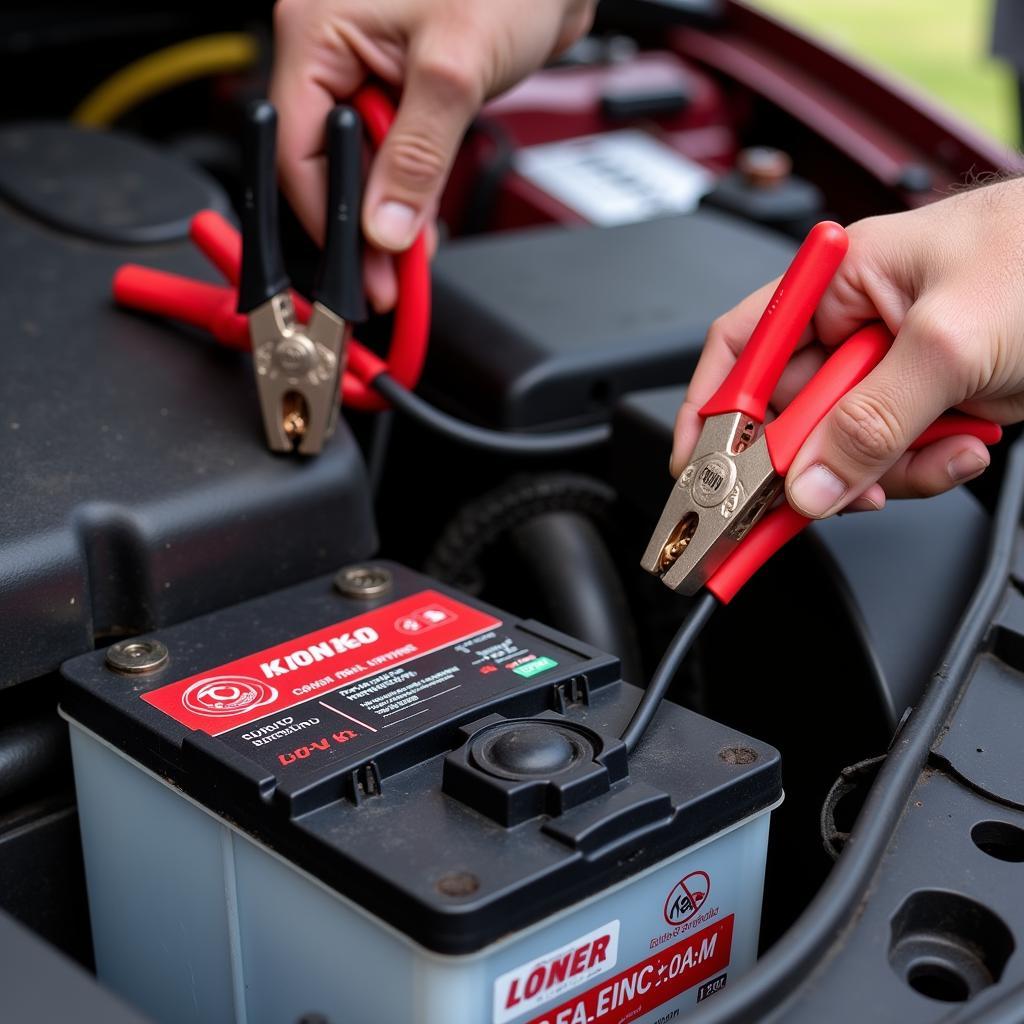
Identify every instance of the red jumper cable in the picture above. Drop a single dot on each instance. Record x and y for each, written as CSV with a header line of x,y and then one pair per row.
x,y
369,382
214,307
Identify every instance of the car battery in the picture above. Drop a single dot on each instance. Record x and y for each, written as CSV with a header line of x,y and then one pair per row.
x,y
374,799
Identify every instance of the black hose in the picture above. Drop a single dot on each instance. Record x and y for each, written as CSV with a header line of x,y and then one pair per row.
x,y
32,749
565,556
677,650
793,959
562,442
479,524
377,457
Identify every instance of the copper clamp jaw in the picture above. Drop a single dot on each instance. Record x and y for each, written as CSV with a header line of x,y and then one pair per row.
x,y
723,491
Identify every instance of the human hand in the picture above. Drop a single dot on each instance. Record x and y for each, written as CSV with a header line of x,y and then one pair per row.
x,y
946,280
446,56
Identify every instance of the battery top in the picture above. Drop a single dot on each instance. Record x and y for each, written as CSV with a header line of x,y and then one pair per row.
x,y
454,770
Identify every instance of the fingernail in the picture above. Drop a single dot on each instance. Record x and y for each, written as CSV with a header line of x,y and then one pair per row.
x,y
966,466
816,490
393,224
863,504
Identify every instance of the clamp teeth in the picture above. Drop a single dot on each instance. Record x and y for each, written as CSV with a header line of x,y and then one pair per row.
x,y
677,541
294,416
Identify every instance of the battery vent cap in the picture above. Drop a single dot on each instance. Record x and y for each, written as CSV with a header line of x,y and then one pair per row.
x,y
513,770
530,749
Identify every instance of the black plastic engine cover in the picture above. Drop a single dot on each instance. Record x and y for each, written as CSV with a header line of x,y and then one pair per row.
x,y
550,325
137,487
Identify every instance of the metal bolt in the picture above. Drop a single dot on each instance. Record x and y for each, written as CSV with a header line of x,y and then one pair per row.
x,y
363,581
458,883
137,656
763,166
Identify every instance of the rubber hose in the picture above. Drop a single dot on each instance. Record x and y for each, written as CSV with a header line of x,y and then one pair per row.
x,y
480,523
570,562
31,750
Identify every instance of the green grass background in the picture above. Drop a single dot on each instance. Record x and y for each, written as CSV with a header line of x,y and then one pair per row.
x,y
941,46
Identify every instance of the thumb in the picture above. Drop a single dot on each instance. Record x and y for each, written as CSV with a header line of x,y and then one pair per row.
x,y
874,423
442,91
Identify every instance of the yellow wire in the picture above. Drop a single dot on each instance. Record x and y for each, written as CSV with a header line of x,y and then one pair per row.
x,y
163,70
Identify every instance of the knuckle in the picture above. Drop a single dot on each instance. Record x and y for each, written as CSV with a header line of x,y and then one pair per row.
x,y
718,329
453,75
948,343
867,431
416,160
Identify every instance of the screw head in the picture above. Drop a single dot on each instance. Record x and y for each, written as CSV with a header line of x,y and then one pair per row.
x,y
363,581
458,883
135,656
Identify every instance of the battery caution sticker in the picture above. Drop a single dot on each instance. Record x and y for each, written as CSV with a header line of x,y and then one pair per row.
x,y
647,985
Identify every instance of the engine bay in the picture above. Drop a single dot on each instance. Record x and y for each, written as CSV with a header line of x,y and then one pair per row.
x,y
598,219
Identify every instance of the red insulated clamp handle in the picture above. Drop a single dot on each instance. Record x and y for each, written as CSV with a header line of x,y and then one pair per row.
x,y
784,436
956,424
219,242
753,378
845,368
209,306
771,534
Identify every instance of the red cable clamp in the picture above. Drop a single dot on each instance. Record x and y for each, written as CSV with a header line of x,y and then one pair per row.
x,y
214,307
718,526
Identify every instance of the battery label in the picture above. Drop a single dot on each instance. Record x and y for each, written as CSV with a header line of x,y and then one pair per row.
x,y
278,678
646,985
328,696
547,977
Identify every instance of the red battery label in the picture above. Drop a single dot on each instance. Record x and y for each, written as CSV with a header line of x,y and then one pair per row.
x,y
644,986
291,673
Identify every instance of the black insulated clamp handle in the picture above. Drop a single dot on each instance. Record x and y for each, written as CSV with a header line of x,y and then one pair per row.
x,y
339,280
263,275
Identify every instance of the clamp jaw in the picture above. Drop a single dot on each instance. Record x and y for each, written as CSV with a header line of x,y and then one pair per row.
x,y
298,366
297,371
728,484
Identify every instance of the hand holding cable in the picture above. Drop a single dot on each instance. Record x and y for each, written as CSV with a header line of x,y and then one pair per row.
x,y
945,280
369,382
213,307
444,56
718,527
739,463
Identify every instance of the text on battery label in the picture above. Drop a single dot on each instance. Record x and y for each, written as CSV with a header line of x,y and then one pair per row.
x,y
643,986
329,648
319,664
547,977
